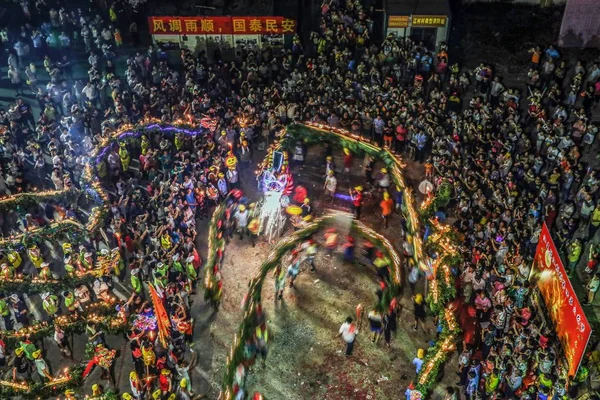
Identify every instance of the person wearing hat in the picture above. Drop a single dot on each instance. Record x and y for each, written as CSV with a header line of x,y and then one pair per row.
x,y
222,184
183,391
86,259
233,176
253,230
418,310
15,259
241,217
348,249
7,271
20,366
157,394
70,394
137,387
45,272
375,318
382,264
409,390
190,270
183,370
330,184
387,207
331,241
383,179
306,209
245,154
127,396
176,265
41,365
347,162
329,165
35,256
124,156
50,304
97,390
356,197
165,382
418,360
69,264
148,356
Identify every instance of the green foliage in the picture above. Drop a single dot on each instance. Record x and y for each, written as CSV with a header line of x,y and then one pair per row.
x,y
440,200
446,294
248,324
42,391
29,287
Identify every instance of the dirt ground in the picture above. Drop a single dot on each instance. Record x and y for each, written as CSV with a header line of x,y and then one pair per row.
x,y
305,358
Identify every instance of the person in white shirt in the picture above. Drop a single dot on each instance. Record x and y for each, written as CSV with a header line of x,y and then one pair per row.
x,y
90,92
348,332
330,184
15,79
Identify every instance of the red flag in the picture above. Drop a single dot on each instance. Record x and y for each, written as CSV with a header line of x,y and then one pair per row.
x,y
162,318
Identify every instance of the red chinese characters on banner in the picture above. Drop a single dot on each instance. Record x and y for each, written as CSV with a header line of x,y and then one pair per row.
x,y
221,25
570,322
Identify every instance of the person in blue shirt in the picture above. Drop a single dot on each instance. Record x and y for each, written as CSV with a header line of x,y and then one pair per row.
x,y
552,52
472,380
409,390
420,141
426,65
418,360
190,199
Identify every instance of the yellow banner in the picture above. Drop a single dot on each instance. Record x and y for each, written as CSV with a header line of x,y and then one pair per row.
x,y
398,21
429,20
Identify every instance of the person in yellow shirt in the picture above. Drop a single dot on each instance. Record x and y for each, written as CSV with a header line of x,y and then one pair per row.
x,y
594,222
15,259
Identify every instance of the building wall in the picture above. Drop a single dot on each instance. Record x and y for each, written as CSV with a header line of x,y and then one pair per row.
x,y
442,33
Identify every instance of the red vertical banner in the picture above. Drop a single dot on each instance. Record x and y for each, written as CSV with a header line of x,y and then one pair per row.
x,y
565,311
162,318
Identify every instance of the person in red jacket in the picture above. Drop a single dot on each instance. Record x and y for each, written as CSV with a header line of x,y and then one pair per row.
x,y
300,194
356,196
165,381
401,132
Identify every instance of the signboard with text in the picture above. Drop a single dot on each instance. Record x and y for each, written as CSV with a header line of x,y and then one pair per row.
x,y
221,25
429,21
571,325
398,21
